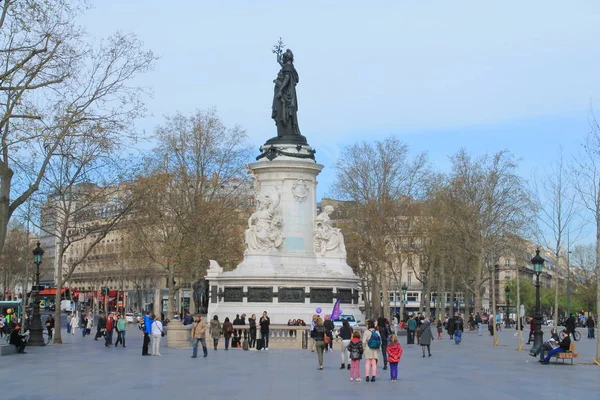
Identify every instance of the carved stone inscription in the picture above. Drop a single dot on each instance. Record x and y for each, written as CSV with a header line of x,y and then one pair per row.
x,y
260,294
321,295
234,294
345,296
291,295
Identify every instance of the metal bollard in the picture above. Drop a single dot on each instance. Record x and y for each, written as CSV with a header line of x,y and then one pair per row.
x,y
304,340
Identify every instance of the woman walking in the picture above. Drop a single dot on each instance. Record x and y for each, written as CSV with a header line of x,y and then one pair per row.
x,y
157,332
440,328
227,332
371,344
215,331
121,330
426,337
318,334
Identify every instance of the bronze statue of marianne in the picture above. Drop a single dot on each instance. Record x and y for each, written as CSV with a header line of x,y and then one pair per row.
x,y
285,102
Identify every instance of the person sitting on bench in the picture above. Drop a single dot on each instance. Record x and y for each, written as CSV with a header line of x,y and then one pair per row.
x,y
18,340
546,346
564,346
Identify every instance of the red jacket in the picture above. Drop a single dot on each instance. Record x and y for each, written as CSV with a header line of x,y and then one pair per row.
x,y
394,351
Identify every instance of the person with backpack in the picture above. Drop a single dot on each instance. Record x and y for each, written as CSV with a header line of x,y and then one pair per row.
x,y
355,348
426,336
371,344
394,352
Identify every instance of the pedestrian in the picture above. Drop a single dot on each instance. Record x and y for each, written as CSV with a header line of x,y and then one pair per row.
x,y
479,322
440,328
371,344
252,330
89,325
121,330
410,332
318,334
198,336
383,328
328,324
394,352
83,324
450,327
157,334
459,327
49,325
426,337
110,326
345,334
146,328
265,323
215,331
531,330
355,348
101,326
69,326
313,323
227,332
590,325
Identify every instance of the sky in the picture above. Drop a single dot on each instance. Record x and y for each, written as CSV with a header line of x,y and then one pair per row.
x,y
441,75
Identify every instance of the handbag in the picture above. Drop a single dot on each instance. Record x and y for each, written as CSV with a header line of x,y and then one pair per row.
x,y
326,337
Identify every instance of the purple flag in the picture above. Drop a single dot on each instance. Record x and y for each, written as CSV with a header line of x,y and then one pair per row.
x,y
335,314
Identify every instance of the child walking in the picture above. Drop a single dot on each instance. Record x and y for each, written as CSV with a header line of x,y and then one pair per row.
x,y
394,351
355,348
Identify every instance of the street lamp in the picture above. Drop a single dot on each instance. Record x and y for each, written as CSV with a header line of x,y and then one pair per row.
x,y
538,265
35,337
507,292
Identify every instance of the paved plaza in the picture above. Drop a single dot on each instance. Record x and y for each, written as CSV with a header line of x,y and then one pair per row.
x,y
84,369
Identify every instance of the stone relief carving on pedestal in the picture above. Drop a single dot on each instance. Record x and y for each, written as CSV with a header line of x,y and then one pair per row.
x,y
264,225
328,240
300,190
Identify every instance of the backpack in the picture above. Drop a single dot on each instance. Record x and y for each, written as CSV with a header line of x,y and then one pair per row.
x,y
374,341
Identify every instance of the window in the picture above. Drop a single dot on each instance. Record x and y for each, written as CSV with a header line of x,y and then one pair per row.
x,y
409,278
412,296
507,262
507,276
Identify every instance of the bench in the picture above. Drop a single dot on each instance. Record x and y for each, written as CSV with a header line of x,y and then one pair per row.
x,y
6,349
567,355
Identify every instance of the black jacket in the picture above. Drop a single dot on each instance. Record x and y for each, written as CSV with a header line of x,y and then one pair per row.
x,y
252,323
264,324
566,343
318,333
345,333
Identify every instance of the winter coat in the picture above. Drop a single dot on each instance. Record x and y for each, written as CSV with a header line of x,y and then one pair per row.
x,y
345,333
227,329
355,348
426,335
369,352
412,324
215,329
318,333
199,330
394,352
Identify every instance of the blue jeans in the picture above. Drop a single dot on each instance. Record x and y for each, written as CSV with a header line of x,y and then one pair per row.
x,y
227,343
479,330
195,347
590,332
83,332
553,352
265,338
394,370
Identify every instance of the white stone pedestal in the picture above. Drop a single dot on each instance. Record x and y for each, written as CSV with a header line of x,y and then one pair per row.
x,y
281,273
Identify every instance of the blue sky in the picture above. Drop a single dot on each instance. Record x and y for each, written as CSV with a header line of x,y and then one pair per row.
x,y
441,75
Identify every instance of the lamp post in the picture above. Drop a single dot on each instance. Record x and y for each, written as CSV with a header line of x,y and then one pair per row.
x,y
404,291
507,292
538,265
36,329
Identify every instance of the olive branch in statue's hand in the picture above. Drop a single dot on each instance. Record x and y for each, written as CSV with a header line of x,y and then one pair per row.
x,y
278,48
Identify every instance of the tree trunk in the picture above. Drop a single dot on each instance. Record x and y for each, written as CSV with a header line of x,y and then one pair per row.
x,y
493,317
441,294
385,290
598,283
519,316
171,303
555,318
157,300
58,283
427,298
375,297
366,298
451,308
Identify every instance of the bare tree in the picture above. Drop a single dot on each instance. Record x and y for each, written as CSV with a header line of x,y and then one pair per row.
x,y
558,213
55,85
587,184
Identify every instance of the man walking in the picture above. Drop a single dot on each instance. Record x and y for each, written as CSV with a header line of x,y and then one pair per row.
x,y
147,331
265,321
198,335
410,332
110,326
101,326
